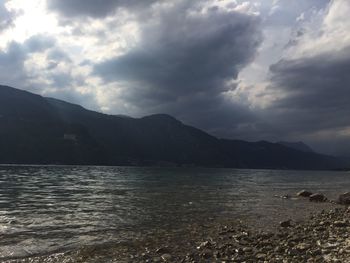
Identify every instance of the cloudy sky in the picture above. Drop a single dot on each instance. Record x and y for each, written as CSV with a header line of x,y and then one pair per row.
x,y
254,70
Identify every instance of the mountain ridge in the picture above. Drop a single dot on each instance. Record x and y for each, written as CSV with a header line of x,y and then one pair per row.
x,y
39,130
301,146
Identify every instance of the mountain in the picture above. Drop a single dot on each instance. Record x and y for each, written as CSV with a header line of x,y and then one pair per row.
x,y
297,146
39,130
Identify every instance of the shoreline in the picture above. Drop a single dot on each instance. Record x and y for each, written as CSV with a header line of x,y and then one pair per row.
x,y
323,237
6,165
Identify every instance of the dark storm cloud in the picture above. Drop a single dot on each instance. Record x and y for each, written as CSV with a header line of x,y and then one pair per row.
x,y
318,87
93,8
316,92
183,63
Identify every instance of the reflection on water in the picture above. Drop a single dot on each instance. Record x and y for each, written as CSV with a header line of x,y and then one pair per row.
x,y
45,209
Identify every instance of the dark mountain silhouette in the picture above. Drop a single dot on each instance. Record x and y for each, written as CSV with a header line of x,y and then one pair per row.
x,y
298,146
38,130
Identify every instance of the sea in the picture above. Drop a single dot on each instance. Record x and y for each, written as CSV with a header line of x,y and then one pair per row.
x,y
53,209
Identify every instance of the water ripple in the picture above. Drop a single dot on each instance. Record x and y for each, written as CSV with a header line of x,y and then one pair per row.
x,y
51,208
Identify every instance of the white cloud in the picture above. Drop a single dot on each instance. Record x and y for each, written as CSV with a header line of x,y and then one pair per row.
x,y
32,19
327,31
61,71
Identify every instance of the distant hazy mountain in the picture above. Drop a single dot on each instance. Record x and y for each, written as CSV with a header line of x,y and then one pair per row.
x,y
297,145
38,130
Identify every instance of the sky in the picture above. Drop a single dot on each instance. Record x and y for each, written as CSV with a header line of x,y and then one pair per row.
x,y
253,70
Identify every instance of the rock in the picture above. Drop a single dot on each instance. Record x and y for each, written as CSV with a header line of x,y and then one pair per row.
x,y
317,198
320,228
304,193
145,256
331,246
205,244
293,252
166,257
260,256
162,250
340,223
326,251
157,259
206,253
239,251
278,249
286,223
316,252
344,199
247,249
302,247
322,223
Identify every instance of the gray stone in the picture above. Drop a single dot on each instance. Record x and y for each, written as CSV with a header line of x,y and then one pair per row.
x,y
317,198
260,256
247,249
344,199
205,244
157,259
207,253
304,193
340,223
303,247
166,257
162,250
286,223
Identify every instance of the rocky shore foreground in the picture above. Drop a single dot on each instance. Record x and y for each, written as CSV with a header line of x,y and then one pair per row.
x,y
324,237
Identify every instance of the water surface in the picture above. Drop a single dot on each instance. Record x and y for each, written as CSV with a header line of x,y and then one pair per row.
x,y
44,209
